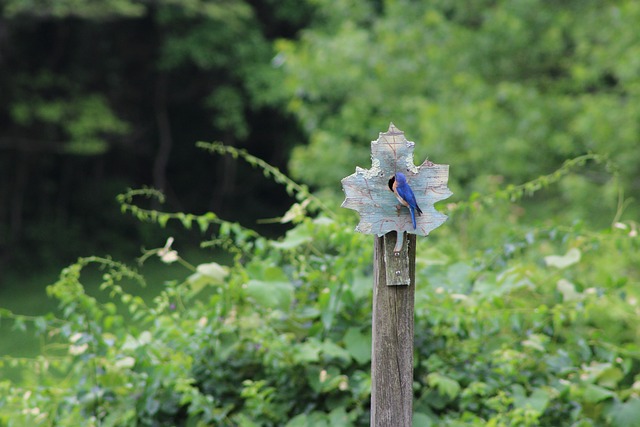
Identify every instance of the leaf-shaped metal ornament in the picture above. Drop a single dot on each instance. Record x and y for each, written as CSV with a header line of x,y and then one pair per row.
x,y
368,191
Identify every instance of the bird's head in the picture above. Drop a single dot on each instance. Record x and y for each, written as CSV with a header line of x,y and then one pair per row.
x,y
400,178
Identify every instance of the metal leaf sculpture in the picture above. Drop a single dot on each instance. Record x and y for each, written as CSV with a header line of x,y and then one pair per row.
x,y
368,190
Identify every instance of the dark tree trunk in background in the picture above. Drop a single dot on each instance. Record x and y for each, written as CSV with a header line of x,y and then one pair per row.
x,y
17,199
165,140
225,181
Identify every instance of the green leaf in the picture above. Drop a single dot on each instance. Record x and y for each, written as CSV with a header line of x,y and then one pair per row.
x,y
422,420
125,362
610,377
19,325
568,291
270,294
243,420
294,238
314,419
163,219
203,223
445,385
301,420
328,313
332,350
40,324
152,405
307,352
594,393
538,400
536,342
626,414
187,220
213,270
207,274
274,274
339,417
564,261
358,344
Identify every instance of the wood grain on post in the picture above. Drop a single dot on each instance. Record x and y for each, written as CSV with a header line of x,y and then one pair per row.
x,y
392,339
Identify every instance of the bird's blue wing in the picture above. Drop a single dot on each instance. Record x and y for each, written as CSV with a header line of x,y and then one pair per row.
x,y
407,194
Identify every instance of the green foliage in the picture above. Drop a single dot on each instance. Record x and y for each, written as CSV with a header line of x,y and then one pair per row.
x,y
508,345
301,192
515,193
98,95
125,200
214,352
76,125
505,89
516,324
81,9
533,327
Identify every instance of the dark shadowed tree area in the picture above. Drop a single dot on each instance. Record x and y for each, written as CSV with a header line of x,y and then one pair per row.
x,y
100,97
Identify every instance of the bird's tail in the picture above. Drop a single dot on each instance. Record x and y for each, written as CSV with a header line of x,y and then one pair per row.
x,y
413,217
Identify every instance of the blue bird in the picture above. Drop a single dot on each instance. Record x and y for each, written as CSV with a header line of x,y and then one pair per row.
x,y
405,195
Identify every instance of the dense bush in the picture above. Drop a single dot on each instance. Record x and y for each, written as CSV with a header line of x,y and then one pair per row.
x,y
534,326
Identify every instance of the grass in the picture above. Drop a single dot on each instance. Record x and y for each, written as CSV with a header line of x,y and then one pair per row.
x,y
26,294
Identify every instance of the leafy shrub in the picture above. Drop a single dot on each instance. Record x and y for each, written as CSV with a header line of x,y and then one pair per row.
x,y
526,326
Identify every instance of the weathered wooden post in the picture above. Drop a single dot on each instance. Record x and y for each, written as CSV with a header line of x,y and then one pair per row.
x,y
368,191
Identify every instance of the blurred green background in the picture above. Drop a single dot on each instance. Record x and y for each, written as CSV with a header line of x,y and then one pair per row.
x,y
99,97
